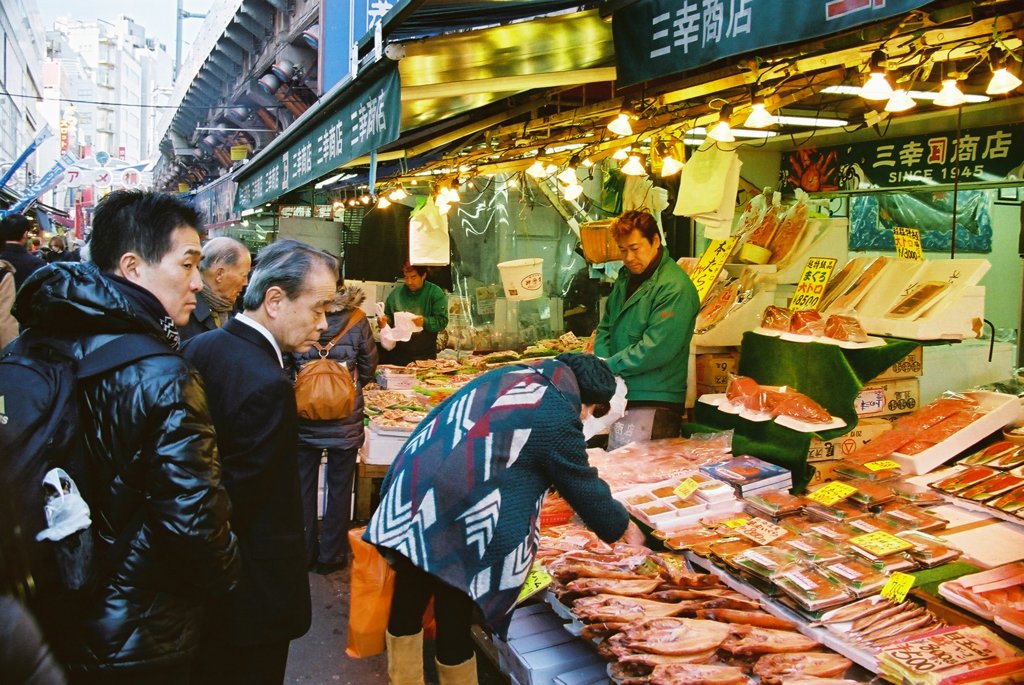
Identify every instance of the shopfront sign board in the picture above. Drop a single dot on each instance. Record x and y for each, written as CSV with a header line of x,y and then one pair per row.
x,y
811,285
710,265
908,243
657,38
369,118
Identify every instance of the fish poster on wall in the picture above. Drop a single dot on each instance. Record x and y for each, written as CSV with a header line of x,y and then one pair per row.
x,y
872,218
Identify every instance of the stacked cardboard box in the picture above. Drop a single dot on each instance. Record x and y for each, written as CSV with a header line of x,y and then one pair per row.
x,y
713,370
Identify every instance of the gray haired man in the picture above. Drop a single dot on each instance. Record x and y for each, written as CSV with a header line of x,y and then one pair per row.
x,y
225,271
245,639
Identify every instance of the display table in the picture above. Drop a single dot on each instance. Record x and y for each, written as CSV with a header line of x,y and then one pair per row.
x,y
830,375
367,483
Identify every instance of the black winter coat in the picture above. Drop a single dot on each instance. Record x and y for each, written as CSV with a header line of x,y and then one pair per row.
x,y
358,351
156,478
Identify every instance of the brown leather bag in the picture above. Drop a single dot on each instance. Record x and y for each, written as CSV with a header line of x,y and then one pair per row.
x,y
324,388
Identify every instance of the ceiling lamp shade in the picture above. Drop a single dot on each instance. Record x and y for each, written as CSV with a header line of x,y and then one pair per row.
x,y
312,36
620,125
452,194
383,202
1002,82
568,175
950,95
900,101
537,169
759,116
721,131
284,70
398,194
633,166
269,83
572,191
670,166
621,154
877,86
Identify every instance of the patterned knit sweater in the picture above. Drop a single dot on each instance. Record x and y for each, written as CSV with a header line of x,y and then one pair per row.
x,y
462,499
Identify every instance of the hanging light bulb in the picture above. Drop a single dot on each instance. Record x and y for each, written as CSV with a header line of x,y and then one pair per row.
x,y
877,86
620,125
365,199
621,154
572,191
900,101
1002,80
513,182
441,202
634,167
383,202
586,162
759,117
950,95
453,194
721,131
537,169
568,175
398,194
670,166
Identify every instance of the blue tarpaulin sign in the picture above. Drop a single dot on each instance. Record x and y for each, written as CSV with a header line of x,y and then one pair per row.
x,y
45,181
656,38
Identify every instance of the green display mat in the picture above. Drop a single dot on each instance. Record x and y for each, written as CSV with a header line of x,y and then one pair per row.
x,y
830,375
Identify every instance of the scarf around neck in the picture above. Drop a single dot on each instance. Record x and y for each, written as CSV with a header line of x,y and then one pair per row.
x,y
146,305
221,305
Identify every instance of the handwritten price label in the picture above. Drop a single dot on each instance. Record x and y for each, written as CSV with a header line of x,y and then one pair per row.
x,y
908,243
897,587
710,264
880,543
686,488
831,493
811,285
882,465
760,531
537,580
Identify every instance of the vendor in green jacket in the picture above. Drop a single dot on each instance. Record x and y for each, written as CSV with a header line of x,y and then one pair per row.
x,y
645,332
421,297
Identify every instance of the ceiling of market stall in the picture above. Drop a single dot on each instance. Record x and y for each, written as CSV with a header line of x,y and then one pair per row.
x,y
497,98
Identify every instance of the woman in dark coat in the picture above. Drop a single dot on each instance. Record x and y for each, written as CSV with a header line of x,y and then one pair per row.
x,y
338,440
460,506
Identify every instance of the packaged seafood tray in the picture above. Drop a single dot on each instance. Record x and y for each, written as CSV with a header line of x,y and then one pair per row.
x,y
996,595
999,410
813,547
868,471
929,551
809,587
763,561
859,577
909,516
999,455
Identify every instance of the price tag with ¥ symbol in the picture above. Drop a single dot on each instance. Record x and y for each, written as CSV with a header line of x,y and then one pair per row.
x,y
831,493
882,465
686,488
537,580
897,587
880,543
908,243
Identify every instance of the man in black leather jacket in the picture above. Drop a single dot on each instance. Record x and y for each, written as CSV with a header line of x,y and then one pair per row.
x,y
152,448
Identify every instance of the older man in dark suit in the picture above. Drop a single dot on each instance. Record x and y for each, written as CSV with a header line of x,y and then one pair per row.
x,y
251,398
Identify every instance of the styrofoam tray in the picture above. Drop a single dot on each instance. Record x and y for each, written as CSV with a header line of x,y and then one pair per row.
x,y
719,400
872,341
1000,410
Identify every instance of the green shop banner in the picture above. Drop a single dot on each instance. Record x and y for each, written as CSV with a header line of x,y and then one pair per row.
x,y
656,38
369,118
982,155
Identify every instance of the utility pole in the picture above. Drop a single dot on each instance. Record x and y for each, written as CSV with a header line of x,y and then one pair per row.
x,y
181,15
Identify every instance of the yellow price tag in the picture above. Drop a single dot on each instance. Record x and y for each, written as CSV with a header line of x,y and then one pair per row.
x,y
882,465
735,523
710,264
811,285
686,488
897,587
908,243
674,561
537,580
833,492
881,543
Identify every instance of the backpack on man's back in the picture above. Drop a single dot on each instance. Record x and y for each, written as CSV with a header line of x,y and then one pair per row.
x,y
41,426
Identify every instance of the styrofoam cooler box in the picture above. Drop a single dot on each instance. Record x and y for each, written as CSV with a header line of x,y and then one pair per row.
x,y
542,666
593,674
383,446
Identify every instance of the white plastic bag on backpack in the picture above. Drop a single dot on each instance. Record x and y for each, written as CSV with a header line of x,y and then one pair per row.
x,y
66,511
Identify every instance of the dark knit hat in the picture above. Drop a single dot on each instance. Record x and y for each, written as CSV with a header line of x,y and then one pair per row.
x,y
596,381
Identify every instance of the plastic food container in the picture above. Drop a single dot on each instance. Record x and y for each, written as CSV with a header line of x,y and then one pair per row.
x,y
810,588
763,561
860,577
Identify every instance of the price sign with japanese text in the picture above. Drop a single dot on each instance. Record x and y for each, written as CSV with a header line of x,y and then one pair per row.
x,y
760,531
880,543
833,492
686,488
710,265
908,243
537,580
882,465
811,285
897,587
735,523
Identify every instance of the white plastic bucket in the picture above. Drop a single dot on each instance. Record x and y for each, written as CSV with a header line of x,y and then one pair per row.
x,y
523,279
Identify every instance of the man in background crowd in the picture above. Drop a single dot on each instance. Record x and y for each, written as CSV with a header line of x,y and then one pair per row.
x,y
246,636
14,231
225,271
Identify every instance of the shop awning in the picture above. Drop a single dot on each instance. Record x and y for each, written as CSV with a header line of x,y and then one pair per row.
x,y
658,38
353,119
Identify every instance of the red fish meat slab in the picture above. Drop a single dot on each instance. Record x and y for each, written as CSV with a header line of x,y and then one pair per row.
x,y
934,412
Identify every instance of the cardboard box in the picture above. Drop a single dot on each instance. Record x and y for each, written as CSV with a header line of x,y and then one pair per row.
x,y
845,445
900,396
911,366
395,377
713,370
823,471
